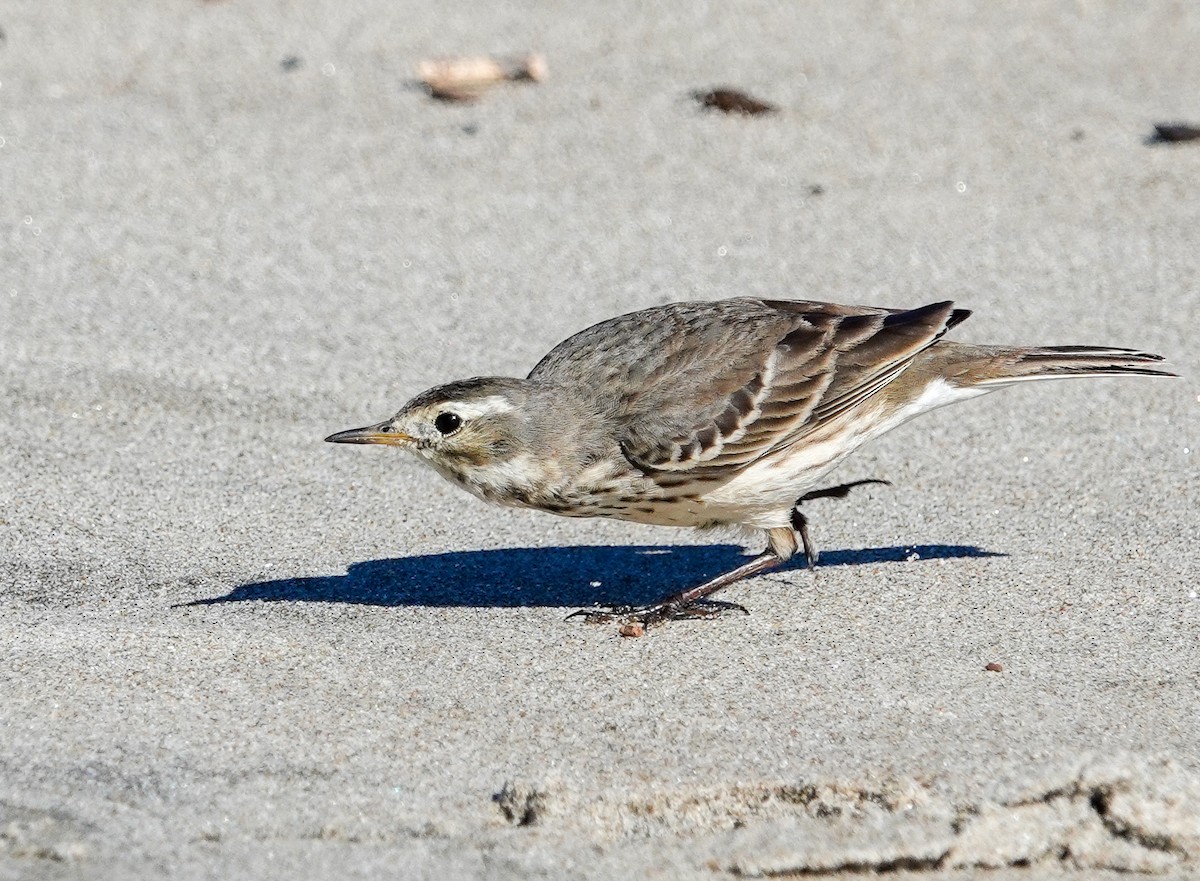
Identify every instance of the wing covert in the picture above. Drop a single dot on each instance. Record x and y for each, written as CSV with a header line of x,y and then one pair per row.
x,y
697,387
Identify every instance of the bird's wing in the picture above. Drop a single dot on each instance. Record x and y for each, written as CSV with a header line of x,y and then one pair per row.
x,y
725,387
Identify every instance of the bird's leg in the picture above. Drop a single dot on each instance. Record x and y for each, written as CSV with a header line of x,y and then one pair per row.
x,y
800,522
686,603
691,603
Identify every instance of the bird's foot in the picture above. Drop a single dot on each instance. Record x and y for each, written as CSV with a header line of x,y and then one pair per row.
x,y
657,613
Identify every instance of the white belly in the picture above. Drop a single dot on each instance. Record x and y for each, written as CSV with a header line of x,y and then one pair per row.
x,y
764,493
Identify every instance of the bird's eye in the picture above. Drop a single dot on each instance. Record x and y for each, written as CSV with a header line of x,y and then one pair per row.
x,y
447,423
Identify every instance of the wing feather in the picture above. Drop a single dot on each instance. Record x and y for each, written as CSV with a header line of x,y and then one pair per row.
x,y
717,385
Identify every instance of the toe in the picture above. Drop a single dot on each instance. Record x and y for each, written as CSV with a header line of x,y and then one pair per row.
x,y
707,609
589,616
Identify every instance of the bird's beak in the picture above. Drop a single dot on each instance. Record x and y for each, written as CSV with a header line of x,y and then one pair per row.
x,y
383,433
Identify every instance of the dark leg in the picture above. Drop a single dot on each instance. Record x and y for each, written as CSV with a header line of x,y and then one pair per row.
x,y
800,522
691,603
682,604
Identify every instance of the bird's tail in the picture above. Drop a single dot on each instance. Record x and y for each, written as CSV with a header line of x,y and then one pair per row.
x,y
1001,366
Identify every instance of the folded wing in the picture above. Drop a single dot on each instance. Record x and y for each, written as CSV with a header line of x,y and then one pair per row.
x,y
772,372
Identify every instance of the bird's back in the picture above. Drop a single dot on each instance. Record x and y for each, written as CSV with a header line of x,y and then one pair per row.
x,y
687,383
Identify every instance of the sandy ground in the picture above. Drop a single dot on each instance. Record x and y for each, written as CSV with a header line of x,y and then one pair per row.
x,y
230,650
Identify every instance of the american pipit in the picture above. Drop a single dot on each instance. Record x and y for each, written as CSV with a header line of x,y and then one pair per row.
x,y
712,414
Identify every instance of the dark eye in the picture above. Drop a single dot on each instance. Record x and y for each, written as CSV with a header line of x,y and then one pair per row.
x,y
447,423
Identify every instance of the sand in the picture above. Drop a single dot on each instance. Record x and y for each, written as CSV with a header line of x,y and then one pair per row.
x,y
230,650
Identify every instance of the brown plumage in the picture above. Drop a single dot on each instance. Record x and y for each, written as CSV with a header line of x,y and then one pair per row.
x,y
721,413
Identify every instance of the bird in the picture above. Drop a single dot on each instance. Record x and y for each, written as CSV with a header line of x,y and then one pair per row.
x,y
725,413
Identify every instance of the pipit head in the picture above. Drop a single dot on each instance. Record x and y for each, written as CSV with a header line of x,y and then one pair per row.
x,y
460,426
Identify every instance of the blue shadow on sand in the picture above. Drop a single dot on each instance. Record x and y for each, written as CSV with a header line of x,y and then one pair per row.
x,y
555,576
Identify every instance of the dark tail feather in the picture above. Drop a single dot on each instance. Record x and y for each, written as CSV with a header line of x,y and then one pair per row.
x,y
1060,362
957,317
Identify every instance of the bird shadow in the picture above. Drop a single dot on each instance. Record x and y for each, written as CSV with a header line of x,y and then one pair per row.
x,y
554,576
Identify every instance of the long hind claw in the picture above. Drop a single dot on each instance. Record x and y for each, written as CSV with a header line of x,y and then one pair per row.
x,y
840,491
